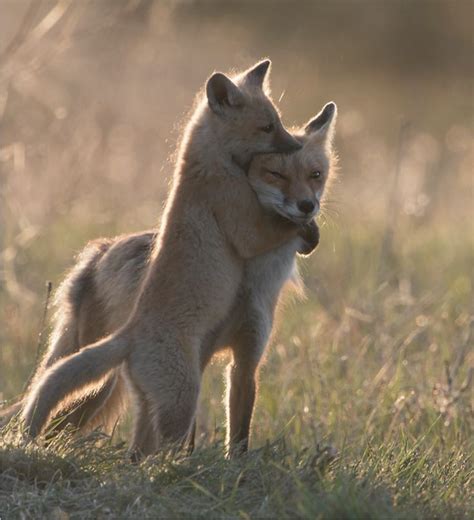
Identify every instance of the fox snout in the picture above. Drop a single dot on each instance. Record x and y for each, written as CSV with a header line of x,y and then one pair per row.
x,y
284,142
306,206
303,210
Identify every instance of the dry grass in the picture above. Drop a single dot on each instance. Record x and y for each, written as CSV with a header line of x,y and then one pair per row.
x,y
364,371
376,363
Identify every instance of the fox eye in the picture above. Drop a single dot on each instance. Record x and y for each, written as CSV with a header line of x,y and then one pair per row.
x,y
268,128
278,175
316,174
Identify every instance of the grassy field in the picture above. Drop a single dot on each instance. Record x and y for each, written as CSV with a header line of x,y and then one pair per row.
x,y
365,408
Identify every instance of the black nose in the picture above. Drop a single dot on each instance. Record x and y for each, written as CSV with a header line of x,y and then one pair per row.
x,y
306,206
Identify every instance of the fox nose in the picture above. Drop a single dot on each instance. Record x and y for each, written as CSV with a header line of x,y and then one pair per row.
x,y
284,142
306,206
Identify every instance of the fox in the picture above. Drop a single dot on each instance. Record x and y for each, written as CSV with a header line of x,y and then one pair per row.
x,y
212,224
94,298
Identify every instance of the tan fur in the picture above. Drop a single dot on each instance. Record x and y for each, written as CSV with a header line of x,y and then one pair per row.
x,y
212,222
118,266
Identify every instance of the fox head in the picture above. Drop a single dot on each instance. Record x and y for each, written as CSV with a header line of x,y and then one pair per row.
x,y
243,116
293,185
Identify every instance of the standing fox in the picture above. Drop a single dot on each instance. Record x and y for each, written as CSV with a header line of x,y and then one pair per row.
x,y
212,223
94,299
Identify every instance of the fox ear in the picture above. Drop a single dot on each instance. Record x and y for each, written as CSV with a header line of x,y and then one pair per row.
x,y
257,74
322,125
222,92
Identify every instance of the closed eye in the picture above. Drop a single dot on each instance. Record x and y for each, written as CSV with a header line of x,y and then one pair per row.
x,y
276,174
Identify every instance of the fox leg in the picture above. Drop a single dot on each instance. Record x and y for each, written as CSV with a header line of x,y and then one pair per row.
x,y
95,409
175,414
242,390
248,347
108,404
190,443
169,390
144,436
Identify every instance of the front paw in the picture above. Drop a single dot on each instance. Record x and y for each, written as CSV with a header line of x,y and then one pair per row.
x,y
309,234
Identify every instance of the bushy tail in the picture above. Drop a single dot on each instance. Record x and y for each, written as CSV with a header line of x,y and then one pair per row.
x,y
71,377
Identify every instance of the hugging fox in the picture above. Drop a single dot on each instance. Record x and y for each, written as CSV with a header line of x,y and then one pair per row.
x,y
196,271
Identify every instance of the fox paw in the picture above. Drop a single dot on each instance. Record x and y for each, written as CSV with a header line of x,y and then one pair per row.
x,y
309,234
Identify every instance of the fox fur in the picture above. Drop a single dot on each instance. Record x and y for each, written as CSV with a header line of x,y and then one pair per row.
x,y
94,298
212,224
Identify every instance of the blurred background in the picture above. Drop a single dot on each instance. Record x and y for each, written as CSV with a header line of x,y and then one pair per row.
x,y
93,96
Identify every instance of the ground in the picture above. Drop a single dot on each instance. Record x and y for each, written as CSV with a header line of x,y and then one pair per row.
x,y
364,409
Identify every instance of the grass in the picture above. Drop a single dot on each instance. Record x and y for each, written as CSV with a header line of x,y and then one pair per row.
x,y
78,479
365,407
364,411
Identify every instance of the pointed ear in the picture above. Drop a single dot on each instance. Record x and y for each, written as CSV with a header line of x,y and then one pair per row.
x,y
322,125
256,75
222,92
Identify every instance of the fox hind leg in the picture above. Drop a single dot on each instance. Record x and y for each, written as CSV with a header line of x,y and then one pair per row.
x,y
144,430
168,390
101,408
